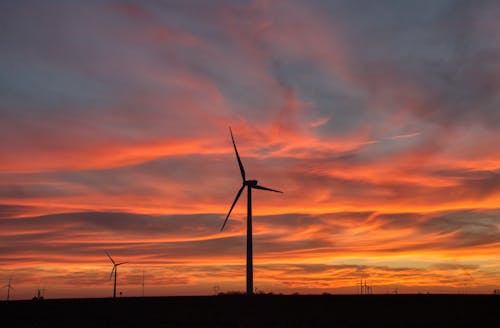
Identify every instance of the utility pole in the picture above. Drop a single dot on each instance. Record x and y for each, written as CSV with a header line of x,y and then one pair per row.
x,y
362,287
142,282
216,289
9,287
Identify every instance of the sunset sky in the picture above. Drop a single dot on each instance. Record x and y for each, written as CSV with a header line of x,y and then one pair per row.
x,y
380,120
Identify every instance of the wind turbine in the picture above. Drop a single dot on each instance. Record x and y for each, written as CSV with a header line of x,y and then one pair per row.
x,y
9,287
115,269
250,184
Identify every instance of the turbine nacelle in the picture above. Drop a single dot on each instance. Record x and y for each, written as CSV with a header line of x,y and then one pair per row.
x,y
250,183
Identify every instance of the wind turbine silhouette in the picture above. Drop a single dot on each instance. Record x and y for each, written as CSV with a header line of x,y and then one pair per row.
x,y
249,184
9,287
115,270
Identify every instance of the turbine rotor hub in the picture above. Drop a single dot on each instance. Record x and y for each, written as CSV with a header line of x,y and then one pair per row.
x,y
251,183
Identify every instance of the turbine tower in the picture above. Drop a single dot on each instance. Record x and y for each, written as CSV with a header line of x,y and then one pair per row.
x,y
250,184
115,269
9,287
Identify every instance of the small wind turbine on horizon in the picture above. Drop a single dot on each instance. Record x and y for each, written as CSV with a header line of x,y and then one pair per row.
x,y
9,287
115,269
249,184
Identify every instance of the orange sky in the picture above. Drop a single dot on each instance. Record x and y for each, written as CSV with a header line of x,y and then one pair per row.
x,y
380,129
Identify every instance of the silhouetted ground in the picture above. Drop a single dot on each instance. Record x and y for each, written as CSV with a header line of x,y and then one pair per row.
x,y
259,311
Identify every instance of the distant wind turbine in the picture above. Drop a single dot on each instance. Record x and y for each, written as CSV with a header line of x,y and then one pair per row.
x,y
249,184
9,287
115,269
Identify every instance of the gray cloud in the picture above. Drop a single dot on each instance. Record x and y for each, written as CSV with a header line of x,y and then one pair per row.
x,y
173,238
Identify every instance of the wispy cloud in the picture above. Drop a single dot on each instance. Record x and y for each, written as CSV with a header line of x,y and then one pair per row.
x,y
405,136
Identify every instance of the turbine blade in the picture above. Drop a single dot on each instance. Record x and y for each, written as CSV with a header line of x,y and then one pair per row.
x,y
232,206
242,169
122,263
110,257
111,275
265,188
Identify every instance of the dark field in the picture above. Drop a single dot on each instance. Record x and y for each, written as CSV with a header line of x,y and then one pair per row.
x,y
259,311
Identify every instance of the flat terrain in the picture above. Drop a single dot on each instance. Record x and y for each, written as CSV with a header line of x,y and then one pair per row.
x,y
259,311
